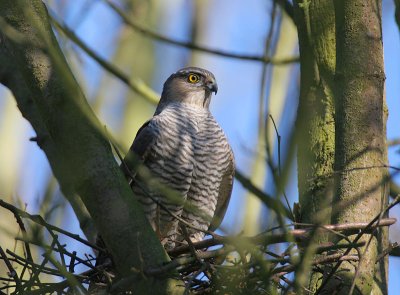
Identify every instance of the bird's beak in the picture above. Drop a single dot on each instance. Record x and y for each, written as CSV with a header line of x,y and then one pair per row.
x,y
212,86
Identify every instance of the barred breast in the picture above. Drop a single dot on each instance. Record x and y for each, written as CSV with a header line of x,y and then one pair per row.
x,y
213,156
170,160
190,154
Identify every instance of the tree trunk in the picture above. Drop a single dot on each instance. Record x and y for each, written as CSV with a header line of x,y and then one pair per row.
x,y
75,142
341,121
361,153
316,130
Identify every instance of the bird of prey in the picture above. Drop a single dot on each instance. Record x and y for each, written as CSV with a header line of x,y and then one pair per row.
x,y
184,149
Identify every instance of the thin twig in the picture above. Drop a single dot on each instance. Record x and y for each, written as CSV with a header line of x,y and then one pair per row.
x,y
280,166
181,261
136,84
11,271
189,242
65,252
36,272
372,223
393,142
322,260
23,230
22,261
387,251
156,36
394,189
357,272
64,284
39,220
268,239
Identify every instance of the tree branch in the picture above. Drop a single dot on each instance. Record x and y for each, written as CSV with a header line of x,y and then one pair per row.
x,y
296,234
146,32
16,83
394,189
137,85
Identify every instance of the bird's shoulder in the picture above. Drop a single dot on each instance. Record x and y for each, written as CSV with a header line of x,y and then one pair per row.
x,y
161,125
145,138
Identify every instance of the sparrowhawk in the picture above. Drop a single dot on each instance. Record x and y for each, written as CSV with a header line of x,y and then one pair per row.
x,y
185,149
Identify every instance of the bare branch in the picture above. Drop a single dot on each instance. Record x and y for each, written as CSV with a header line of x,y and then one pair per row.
x,y
39,220
370,226
393,142
11,271
146,32
136,84
296,234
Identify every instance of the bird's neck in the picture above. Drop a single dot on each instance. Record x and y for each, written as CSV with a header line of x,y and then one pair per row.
x,y
187,104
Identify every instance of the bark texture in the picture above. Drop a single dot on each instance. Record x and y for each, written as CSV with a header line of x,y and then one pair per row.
x,y
361,190
316,135
342,133
316,130
72,138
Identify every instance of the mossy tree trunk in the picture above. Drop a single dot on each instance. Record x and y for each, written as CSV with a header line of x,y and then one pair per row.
x,y
316,130
342,132
361,152
35,70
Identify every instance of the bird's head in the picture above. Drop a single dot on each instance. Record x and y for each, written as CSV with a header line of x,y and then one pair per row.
x,y
190,85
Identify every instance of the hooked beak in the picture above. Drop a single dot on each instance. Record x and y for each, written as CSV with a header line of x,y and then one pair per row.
x,y
212,86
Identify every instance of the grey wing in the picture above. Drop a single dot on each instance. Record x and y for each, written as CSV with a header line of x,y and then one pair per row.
x,y
224,194
138,151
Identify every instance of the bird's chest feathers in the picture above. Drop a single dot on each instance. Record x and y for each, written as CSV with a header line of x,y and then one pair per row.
x,y
184,131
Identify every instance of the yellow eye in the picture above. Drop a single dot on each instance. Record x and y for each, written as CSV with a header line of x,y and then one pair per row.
x,y
193,78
